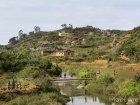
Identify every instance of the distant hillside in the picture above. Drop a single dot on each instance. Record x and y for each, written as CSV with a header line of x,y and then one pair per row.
x,y
71,37
88,42
131,46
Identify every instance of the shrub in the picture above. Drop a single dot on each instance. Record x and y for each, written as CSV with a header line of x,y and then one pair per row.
x,y
47,86
29,100
55,70
58,98
129,89
105,79
137,77
5,97
96,88
49,68
30,71
110,90
40,99
103,85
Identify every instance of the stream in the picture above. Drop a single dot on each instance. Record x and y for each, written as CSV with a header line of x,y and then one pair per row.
x,y
79,96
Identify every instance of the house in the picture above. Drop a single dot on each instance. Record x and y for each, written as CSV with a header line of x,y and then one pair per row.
x,y
91,33
58,52
84,41
63,33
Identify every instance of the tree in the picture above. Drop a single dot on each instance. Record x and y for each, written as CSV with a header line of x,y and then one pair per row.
x,y
13,40
64,26
37,29
20,33
70,26
55,70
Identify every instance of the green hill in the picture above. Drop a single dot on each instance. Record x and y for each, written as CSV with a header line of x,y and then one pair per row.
x,y
89,43
130,47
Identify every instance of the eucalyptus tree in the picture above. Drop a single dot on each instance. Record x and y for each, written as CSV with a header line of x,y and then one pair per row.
x,y
37,29
20,33
70,26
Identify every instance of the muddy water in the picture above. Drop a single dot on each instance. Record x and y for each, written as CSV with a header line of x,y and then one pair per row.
x,y
79,96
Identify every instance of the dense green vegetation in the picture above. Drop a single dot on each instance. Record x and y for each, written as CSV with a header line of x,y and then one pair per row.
x,y
81,70
105,84
131,46
31,70
126,84
42,99
21,60
15,61
98,41
79,39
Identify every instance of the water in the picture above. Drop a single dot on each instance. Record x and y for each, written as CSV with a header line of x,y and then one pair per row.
x,y
84,100
79,96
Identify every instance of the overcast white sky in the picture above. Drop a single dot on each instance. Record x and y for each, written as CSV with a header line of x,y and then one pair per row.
x,y
50,14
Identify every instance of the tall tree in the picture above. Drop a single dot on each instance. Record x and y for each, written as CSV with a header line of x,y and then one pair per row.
x,y
64,26
20,33
37,29
70,26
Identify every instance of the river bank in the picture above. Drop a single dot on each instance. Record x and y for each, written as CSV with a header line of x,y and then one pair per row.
x,y
103,90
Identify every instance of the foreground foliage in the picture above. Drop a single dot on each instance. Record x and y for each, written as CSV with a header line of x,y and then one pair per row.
x,y
32,71
106,84
41,99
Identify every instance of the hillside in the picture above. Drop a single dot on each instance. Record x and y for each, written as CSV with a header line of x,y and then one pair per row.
x,y
110,57
130,47
89,43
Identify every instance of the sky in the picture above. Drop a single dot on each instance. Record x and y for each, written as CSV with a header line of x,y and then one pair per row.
x,y
50,14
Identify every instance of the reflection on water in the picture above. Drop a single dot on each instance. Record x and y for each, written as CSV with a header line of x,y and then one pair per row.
x,y
80,97
84,100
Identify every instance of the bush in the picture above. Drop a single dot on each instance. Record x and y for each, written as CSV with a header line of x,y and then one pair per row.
x,y
40,99
55,70
103,85
137,77
29,100
49,68
110,90
96,88
129,89
105,79
47,86
5,97
58,98
30,71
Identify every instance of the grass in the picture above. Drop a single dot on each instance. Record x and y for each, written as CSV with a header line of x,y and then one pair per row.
x,y
80,70
82,50
40,99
